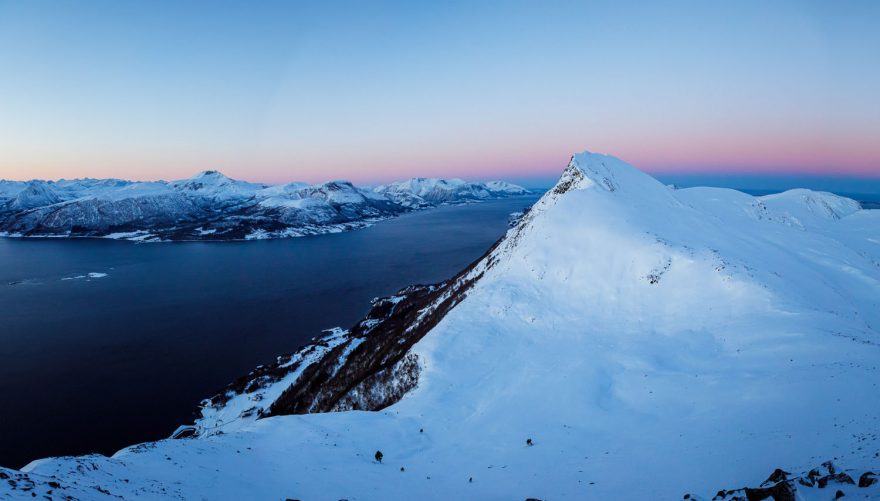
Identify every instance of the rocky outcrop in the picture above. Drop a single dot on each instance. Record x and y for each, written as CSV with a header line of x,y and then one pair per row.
x,y
781,486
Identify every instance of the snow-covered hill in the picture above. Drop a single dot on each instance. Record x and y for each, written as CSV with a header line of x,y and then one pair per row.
x,y
625,340
208,206
423,192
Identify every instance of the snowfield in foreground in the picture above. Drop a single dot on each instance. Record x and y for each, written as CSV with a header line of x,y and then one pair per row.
x,y
648,342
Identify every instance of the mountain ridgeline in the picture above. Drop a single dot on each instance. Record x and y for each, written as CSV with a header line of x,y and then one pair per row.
x,y
623,340
211,206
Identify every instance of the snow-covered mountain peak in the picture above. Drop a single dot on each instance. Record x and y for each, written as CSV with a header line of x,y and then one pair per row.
x,y
211,174
203,179
612,174
809,207
35,194
338,184
421,191
690,339
505,187
213,183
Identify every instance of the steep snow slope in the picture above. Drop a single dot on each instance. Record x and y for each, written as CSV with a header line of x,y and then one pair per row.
x,y
650,342
34,194
207,206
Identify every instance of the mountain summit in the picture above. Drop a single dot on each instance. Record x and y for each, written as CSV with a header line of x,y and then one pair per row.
x,y
625,340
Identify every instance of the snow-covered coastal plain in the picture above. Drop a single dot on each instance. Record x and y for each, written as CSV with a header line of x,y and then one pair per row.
x,y
624,340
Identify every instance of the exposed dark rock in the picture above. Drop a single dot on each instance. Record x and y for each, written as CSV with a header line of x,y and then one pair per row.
x,y
516,217
570,176
780,486
783,491
840,478
806,482
777,476
830,467
373,376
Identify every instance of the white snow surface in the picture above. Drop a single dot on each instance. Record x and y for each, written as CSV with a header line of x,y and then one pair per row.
x,y
651,342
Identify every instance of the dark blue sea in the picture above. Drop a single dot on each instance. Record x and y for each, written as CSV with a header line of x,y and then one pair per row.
x,y
107,343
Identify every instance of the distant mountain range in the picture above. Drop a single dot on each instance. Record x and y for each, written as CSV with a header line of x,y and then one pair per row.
x,y
211,206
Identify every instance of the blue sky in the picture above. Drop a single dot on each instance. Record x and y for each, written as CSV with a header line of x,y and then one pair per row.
x,y
374,91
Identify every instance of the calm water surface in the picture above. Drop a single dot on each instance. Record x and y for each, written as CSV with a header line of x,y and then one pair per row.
x,y
95,364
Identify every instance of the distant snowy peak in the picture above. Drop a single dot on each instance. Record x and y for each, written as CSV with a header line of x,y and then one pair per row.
x,y
35,194
301,195
806,207
283,189
214,183
505,187
430,191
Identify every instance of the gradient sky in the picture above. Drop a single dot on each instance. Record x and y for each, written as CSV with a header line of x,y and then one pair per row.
x,y
373,91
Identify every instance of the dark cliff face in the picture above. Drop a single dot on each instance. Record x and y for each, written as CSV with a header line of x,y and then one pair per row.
x,y
380,369
368,367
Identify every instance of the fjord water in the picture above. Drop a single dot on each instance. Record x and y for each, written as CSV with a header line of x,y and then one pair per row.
x,y
95,363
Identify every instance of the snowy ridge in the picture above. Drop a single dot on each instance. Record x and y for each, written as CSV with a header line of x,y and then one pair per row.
x,y
422,192
650,343
208,206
